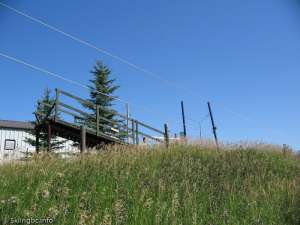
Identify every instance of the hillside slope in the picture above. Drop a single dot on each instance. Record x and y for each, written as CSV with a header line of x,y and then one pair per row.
x,y
181,185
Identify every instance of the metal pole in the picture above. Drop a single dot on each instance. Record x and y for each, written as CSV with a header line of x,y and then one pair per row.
x,y
166,135
183,119
213,124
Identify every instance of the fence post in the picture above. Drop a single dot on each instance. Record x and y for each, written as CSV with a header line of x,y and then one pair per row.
x,y
166,135
49,136
37,139
97,119
133,132
82,139
137,132
57,91
127,121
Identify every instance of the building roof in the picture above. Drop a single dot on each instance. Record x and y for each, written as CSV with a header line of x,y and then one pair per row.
x,y
16,124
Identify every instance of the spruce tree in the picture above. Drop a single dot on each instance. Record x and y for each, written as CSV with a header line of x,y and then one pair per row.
x,y
102,90
43,109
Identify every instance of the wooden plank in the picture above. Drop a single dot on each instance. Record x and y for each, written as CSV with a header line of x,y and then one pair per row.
x,y
149,127
90,131
76,110
70,113
78,99
88,115
149,136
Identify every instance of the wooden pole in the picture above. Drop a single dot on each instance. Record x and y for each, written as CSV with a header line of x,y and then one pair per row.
x,y
127,120
183,119
37,140
214,128
133,132
82,139
57,91
166,135
97,119
49,137
136,132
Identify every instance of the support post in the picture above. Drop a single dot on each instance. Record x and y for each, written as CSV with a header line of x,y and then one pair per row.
x,y
132,131
183,119
82,139
37,139
127,120
49,137
166,135
97,119
57,91
214,128
137,132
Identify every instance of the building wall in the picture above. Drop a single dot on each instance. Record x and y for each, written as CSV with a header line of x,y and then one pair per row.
x,y
21,147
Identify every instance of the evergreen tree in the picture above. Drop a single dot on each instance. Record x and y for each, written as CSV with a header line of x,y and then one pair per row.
x,y
102,88
43,109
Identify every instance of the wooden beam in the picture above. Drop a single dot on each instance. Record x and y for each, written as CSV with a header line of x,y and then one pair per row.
x,y
136,132
166,135
49,137
82,139
37,140
97,119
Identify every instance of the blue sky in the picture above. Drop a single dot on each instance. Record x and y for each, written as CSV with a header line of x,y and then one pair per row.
x,y
243,56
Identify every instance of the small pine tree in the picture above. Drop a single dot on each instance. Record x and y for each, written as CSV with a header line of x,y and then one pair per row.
x,y
102,83
43,109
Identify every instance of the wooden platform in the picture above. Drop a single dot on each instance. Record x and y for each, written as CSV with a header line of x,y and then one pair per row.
x,y
104,131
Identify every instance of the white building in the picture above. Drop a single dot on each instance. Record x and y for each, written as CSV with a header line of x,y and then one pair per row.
x,y
12,140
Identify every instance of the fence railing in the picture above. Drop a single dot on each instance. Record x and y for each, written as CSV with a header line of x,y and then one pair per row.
x,y
120,127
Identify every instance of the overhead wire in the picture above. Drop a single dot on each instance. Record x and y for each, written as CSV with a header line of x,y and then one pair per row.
x,y
120,59
61,77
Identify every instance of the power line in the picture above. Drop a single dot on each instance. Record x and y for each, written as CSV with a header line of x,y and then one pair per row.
x,y
120,59
90,45
55,75
58,76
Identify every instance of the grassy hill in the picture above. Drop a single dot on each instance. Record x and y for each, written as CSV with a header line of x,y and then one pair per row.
x,y
182,185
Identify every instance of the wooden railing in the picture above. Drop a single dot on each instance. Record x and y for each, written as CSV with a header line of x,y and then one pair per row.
x,y
122,128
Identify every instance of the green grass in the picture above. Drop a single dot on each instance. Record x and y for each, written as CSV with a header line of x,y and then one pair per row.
x,y
182,185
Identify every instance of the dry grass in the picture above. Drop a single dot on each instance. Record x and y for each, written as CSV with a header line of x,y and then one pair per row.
x,y
185,184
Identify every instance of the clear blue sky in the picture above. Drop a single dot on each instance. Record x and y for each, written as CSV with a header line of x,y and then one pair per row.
x,y
240,55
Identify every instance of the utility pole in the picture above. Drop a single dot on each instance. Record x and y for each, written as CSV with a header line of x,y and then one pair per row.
x,y
183,119
214,128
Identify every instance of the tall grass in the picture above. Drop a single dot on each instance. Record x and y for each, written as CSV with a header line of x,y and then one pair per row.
x,y
180,185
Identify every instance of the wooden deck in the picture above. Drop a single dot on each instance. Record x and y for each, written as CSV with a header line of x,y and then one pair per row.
x,y
104,131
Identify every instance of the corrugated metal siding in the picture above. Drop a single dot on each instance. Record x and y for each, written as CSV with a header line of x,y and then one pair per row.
x,y
21,146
